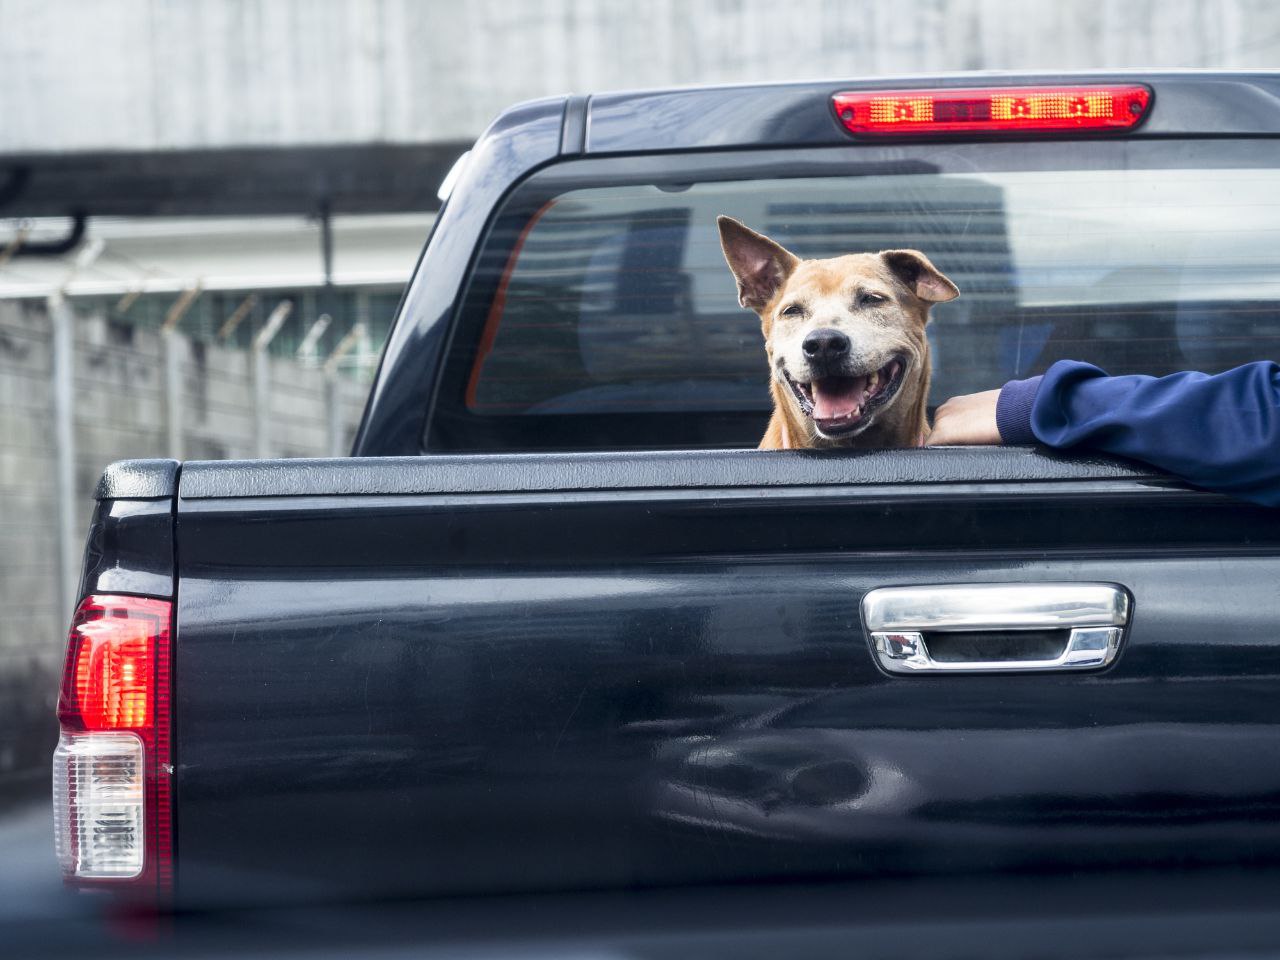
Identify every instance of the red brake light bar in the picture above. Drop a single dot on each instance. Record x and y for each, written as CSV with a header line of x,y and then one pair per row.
x,y
900,113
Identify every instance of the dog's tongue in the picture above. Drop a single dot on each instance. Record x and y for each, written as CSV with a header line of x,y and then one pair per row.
x,y
838,398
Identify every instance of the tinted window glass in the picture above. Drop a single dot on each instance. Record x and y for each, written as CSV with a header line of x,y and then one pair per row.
x,y
605,317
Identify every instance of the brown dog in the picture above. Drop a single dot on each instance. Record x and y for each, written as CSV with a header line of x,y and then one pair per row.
x,y
845,338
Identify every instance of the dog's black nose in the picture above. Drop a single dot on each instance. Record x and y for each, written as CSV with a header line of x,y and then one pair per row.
x,y
825,344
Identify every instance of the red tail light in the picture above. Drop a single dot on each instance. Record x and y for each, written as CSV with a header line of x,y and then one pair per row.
x,y
904,113
111,771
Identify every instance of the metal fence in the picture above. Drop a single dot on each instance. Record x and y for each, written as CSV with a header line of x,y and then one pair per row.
x,y
79,388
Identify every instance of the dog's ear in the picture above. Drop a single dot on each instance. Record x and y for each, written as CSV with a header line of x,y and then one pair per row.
x,y
760,265
921,277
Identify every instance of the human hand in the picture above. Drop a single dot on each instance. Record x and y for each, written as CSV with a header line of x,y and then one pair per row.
x,y
967,419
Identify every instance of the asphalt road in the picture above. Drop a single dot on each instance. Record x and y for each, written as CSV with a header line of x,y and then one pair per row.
x,y
1223,918
30,883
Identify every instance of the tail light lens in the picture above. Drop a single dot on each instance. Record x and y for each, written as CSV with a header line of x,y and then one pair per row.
x,y
112,767
905,113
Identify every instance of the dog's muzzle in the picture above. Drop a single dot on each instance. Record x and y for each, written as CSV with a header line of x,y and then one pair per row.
x,y
842,404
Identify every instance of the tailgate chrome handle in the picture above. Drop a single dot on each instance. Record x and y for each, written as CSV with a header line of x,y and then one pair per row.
x,y
988,627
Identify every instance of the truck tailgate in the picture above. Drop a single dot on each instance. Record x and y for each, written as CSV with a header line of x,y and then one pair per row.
x,y
536,672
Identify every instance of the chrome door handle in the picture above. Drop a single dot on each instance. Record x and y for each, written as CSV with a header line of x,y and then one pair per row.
x,y
984,627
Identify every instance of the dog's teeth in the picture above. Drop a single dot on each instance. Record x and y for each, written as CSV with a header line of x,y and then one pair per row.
x,y
875,378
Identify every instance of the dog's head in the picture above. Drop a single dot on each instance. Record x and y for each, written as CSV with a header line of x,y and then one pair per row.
x,y
844,336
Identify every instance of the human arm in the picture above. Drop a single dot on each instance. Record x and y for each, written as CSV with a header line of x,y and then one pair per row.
x,y
1221,432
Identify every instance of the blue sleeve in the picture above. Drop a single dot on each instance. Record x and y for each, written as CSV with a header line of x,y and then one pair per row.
x,y
1013,410
1221,432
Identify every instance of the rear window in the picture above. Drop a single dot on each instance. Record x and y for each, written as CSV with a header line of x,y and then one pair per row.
x,y
601,314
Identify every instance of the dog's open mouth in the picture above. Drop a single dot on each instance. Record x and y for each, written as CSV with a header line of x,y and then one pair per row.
x,y
841,405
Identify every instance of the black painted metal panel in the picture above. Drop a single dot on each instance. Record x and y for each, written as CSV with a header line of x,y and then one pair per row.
x,y
405,695
518,142
800,114
634,470
129,549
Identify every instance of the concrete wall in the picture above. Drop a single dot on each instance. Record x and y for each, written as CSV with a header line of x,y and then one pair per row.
x,y
142,74
120,411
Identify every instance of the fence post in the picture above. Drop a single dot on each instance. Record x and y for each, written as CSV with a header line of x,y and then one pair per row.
x,y
333,414
333,389
62,320
237,315
309,346
261,373
171,357
14,245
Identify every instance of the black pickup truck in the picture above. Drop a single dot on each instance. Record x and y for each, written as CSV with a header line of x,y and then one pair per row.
x,y
556,626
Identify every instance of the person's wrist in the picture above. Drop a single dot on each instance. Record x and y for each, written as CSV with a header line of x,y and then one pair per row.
x,y
1013,410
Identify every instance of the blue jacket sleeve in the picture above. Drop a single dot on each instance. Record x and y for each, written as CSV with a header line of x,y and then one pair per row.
x,y
1221,432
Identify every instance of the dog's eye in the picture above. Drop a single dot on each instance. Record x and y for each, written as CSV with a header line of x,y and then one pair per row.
x,y
869,299
793,310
